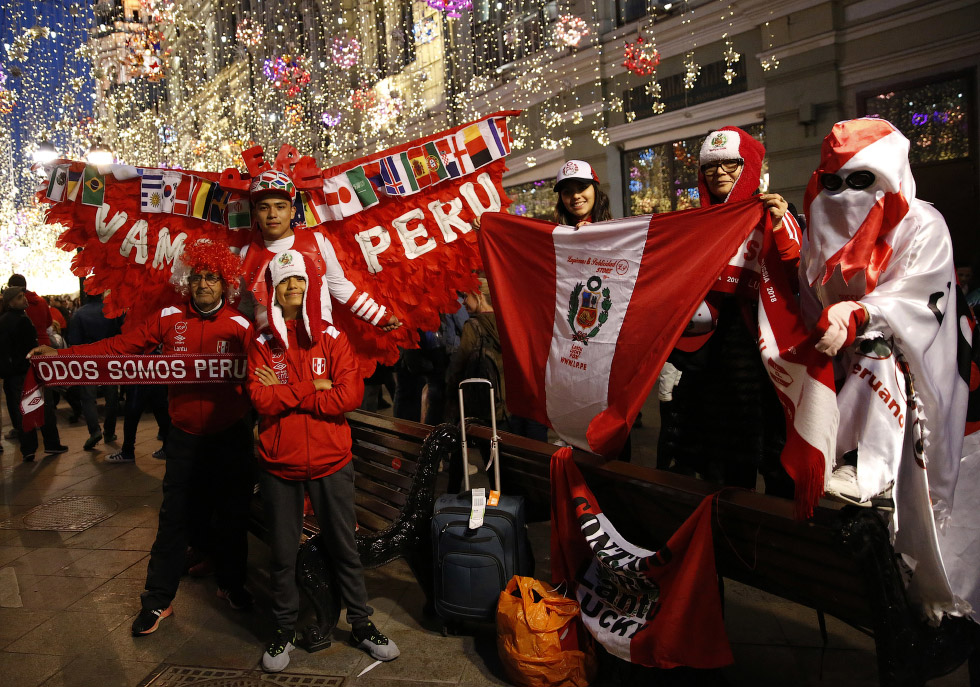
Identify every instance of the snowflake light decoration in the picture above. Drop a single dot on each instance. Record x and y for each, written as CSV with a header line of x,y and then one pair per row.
x,y
570,30
287,73
692,70
731,59
641,57
330,119
425,31
452,8
345,52
249,32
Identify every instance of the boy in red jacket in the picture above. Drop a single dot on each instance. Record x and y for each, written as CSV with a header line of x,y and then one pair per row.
x,y
303,379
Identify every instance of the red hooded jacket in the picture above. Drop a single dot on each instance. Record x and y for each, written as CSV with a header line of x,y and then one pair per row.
x,y
303,433
194,408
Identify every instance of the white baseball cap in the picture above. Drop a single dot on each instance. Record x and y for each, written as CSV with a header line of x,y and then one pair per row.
x,y
576,169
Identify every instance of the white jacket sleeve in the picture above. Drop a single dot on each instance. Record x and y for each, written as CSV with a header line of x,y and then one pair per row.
x,y
337,285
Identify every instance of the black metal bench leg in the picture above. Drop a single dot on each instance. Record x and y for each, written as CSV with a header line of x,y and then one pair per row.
x,y
314,576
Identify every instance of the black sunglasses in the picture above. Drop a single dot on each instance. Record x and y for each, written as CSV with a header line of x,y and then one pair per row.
x,y
857,180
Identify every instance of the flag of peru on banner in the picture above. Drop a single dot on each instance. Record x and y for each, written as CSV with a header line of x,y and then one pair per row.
x,y
588,316
654,608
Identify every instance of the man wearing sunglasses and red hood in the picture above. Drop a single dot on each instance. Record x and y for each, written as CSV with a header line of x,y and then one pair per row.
x,y
720,417
878,286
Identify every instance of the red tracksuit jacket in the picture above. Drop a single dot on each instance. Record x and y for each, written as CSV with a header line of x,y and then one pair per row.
x,y
303,433
194,408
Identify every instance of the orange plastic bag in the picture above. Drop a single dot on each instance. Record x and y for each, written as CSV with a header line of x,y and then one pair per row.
x,y
532,622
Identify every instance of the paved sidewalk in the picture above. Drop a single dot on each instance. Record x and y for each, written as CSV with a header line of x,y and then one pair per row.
x,y
67,600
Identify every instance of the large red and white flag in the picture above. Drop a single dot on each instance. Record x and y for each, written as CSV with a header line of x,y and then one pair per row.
x,y
588,316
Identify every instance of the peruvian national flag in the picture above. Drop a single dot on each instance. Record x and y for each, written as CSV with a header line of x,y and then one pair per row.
x,y
588,316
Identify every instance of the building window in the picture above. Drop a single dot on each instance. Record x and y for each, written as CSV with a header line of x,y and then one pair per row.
x,y
664,177
630,10
933,116
533,199
503,33
711,85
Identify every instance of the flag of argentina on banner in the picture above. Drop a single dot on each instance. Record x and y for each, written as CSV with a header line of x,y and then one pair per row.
x,y
151,191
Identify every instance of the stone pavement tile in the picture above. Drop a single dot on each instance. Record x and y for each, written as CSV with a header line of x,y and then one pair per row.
x,y
752,623
96,536
46,561
230,640
100,563
28,670
13,552
115,595
16,622
121,645
137,571
25,497
801,628
92,670
6,535
68,633
136,539
40,538
837,667
424,657
759,665
136,516
54,593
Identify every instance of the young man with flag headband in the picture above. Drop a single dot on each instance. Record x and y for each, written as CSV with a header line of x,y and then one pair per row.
x,y
719,415
272,194
210,437
302,378
878,287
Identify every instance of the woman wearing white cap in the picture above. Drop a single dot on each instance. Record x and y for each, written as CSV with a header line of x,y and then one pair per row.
x,y
580,200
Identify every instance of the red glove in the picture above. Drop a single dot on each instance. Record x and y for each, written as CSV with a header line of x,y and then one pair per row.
x,y
838,325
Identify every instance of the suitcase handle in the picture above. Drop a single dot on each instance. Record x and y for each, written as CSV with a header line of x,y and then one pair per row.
x,y
494,439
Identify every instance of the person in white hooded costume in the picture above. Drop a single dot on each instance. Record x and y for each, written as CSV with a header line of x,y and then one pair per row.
x,y
878,285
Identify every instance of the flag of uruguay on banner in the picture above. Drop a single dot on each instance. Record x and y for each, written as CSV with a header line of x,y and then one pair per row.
x,y
151,191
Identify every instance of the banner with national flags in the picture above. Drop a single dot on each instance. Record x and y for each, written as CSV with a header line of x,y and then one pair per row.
x,y
399,221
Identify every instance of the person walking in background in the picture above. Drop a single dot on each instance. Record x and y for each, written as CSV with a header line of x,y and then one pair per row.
x,y
88,325
17,337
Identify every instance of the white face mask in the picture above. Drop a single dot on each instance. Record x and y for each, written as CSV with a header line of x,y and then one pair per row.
x,y
864,198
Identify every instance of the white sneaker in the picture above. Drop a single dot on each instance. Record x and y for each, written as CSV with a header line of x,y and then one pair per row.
x,y
843,484
276,656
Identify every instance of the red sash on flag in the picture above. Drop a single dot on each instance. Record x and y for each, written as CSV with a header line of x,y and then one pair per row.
x,y
655,608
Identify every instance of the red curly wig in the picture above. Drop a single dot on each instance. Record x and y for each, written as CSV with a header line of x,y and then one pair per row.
x,y
205,254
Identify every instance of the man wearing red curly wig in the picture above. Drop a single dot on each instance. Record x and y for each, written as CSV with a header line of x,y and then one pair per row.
x,y
210,437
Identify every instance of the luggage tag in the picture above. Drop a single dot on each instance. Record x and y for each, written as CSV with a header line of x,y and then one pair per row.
x,y
478,508
494,498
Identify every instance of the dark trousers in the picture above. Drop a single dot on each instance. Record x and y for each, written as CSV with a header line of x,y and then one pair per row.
x,y
139,397
421,371
224,461
88,397
333,502
13,387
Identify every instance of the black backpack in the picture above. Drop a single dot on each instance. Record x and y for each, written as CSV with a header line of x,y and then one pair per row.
x,y
484,362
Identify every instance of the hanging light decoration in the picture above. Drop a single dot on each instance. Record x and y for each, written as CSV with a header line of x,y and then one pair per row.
x,y
249,32
641,57
7,97
345,51
692,70
293,114
330,119
287,73
425,30
146,54
570,30
731,59
158,11
363,98
452,8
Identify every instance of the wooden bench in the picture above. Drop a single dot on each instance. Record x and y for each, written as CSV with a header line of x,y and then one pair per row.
x,y
395,464
839,562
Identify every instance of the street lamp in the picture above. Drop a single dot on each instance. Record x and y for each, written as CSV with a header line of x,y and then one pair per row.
x,y
46,153
99,154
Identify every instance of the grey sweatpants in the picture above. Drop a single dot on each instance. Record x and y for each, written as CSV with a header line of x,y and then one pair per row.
x,y
333,503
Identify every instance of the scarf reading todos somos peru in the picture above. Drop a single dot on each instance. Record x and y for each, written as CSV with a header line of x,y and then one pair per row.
x,y
655,608
588,316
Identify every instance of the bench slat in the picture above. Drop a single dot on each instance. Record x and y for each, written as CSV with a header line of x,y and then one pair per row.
x,y
375,506
374,471
387,496
408,464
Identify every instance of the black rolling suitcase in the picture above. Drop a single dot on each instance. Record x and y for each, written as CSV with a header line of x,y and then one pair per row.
x,y
472,565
